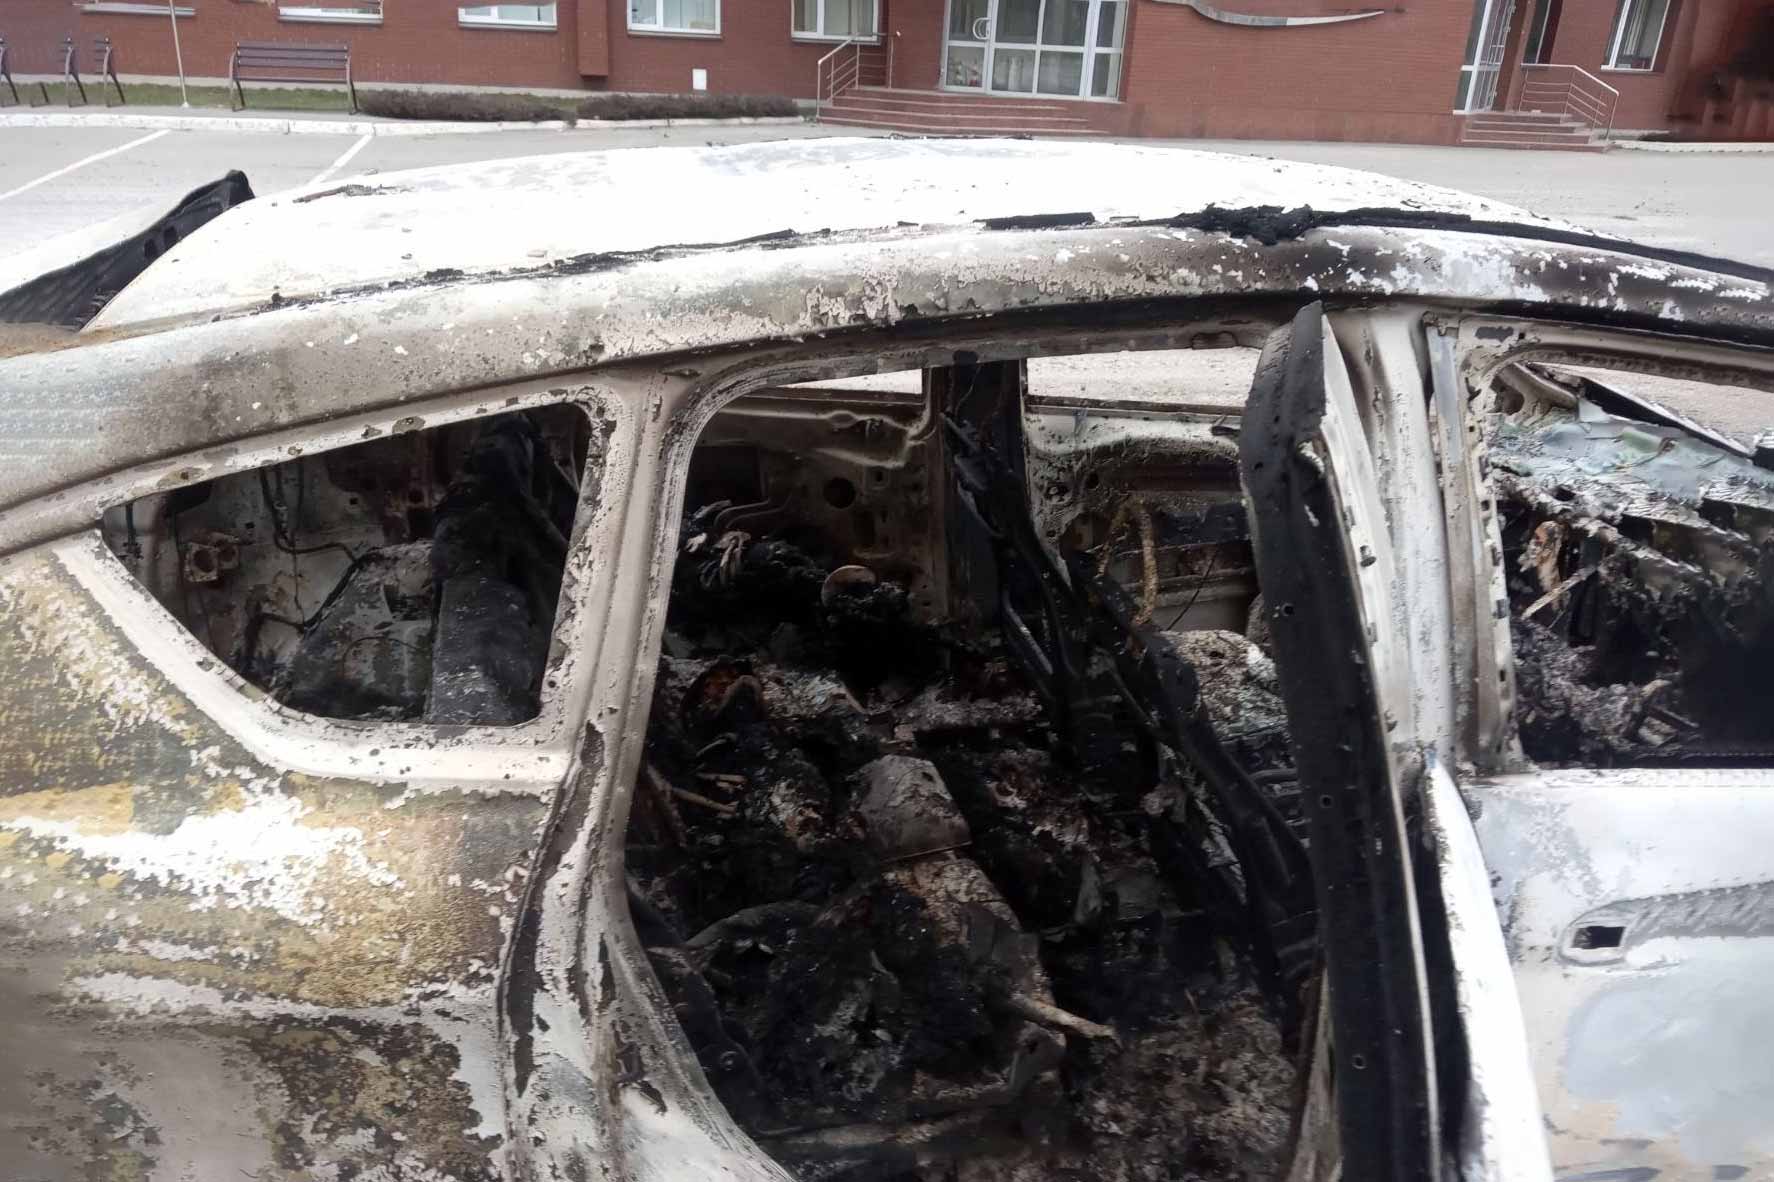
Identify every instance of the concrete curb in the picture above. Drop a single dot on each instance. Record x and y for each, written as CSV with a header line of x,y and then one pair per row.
x,y
393,127
1684,146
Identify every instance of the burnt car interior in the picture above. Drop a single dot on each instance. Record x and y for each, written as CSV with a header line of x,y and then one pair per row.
x,y
411,577
936,873
968,841
1637,559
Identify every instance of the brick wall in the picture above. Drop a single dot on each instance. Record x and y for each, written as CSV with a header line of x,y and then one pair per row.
x,y
413,44
1391,77
420,41
754,53
1585,30
916,26
1697,36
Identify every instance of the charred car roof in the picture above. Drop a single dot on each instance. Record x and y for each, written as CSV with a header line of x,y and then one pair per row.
x,y
294,310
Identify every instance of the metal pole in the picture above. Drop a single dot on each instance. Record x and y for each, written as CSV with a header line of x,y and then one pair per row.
x,y
177,53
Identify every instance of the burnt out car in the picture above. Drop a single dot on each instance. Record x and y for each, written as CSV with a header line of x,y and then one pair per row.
x,y
866,659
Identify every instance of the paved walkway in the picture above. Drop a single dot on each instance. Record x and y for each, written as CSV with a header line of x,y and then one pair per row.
x,y
1712,202
55,180
252,120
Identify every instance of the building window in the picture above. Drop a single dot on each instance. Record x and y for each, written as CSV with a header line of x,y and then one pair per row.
x,y
360,12
1637,31
1538,48
509,16
135,8
410,577
674,16
836,20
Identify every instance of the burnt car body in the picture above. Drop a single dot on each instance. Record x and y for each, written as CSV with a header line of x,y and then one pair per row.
x,y
284,898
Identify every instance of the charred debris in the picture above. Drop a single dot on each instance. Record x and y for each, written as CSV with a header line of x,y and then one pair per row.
x,y
1639,556
412,577
1002,889
967,841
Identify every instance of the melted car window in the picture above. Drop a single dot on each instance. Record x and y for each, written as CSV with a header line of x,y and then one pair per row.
x,y
1639,549
412,577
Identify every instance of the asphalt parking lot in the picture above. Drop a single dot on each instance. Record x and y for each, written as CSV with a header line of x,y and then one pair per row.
x,y
53,180
57,179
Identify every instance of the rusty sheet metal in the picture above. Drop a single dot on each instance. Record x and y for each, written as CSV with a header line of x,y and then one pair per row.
x,y
215,968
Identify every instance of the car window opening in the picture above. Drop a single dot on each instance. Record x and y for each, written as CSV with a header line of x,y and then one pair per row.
x,y
1636,552
412,577
924,875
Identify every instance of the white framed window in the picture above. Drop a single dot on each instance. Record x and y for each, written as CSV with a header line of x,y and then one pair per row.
x,y
836,20
342,12
1638,31
695,17
507,16
135,8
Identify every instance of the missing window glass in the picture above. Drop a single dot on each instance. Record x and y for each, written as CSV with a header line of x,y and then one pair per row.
x,y
1597,935
1638,545
922,906
412,577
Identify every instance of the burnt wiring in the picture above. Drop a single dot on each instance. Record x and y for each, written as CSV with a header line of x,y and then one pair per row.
x,y
1213,557
284,541
280,535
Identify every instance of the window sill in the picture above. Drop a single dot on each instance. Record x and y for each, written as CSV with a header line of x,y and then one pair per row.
x,y
821,39
1627,70
119,8
694,34
296,16
520,26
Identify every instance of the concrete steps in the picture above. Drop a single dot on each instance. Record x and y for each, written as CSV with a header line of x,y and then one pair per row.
x,y
1528,129
937,112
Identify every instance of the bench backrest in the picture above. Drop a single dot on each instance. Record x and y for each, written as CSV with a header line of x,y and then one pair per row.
x,y
291,55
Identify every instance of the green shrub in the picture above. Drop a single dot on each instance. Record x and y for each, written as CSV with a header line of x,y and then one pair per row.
x,y
686,106
520,108
463,107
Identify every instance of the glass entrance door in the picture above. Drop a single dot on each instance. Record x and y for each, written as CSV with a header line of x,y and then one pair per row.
x,y
1064,48
1485,43
964,48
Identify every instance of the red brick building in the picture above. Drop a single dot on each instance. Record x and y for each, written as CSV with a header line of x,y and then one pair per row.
x,y
1427,71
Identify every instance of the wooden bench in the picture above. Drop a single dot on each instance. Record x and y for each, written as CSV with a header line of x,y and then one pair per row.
x,y
101,49
290,61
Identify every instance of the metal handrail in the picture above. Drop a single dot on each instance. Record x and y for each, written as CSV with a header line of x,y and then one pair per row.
x,y
820,97
1594,109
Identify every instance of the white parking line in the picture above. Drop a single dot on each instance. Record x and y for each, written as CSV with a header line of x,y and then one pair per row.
x,y
92,159
343,160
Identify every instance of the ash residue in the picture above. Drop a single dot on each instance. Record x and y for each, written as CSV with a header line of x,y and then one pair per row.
x,y
908,938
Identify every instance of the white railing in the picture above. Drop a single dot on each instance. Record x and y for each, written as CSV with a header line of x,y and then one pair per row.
x,y
838,71
1571,91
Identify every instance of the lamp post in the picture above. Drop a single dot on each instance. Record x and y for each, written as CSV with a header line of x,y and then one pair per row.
x,y
178,55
